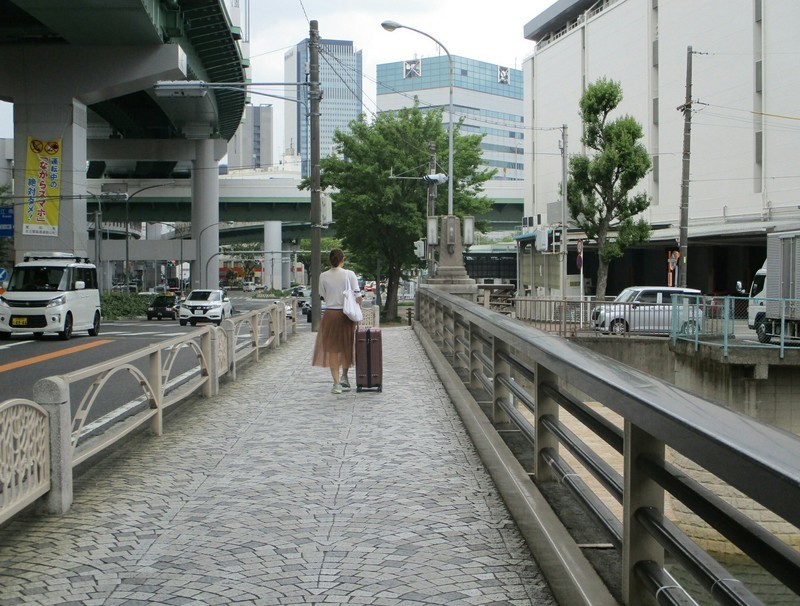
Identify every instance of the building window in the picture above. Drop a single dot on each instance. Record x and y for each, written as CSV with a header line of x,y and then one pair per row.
x,y
759,146
759,76
655,110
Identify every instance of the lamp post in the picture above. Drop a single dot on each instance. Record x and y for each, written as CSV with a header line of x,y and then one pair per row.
x,y
390,26
204,276
121,189
451,275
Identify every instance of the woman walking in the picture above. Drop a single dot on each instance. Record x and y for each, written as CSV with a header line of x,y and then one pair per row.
x,y
333,348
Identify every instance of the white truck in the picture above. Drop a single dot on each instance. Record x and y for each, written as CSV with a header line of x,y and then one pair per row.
x,y
774,307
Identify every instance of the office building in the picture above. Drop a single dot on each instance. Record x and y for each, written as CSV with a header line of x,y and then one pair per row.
x,y
251,146
340,80
743,177
487,96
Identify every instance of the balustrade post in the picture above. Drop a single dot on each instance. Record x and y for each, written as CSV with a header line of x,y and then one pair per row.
x,y
500,392
157,385
545,405
52,394
640,491
459,337
208,344
228,327
475,365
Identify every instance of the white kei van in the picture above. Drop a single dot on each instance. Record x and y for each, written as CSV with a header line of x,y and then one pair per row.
x,y
51,292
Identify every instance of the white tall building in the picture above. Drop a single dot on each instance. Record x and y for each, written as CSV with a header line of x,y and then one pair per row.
x,y
340,80
744,179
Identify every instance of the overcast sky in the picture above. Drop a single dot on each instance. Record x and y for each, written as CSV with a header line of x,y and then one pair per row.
x,y
487,31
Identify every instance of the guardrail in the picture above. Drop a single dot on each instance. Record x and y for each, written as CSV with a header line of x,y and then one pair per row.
x,y
42,441
514,381
726,325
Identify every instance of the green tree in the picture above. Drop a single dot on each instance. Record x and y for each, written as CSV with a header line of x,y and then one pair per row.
x,y
248,254
379,199
599,187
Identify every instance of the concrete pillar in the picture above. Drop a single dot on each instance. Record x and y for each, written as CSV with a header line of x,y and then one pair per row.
x,y
205,215
59,122
272,269
451,276
52,394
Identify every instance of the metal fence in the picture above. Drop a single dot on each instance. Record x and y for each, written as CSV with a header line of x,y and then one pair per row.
x,y
44,438
520,383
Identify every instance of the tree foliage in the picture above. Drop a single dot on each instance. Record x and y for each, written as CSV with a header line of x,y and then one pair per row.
x,y
599,186
379,199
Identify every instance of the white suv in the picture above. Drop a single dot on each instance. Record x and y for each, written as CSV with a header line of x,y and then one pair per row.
x,y
205,306
649,309
51,292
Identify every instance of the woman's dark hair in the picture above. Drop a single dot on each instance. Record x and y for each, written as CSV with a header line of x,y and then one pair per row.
x,y
336,257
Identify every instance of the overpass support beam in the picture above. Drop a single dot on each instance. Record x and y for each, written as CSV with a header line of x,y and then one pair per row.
x,y
205,215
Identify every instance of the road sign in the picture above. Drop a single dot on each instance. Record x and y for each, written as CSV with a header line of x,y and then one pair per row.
x,y
579,246
579,261
7,222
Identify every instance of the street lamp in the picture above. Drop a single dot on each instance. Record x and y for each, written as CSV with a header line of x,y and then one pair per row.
x,y
121,189
390,26
204,276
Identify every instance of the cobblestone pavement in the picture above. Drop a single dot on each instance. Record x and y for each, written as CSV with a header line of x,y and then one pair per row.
x,y
279,492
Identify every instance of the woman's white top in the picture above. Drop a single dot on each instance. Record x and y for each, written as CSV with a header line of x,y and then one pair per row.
x,y
332,284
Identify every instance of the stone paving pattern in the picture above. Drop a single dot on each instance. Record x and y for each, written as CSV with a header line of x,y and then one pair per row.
x,y
279,492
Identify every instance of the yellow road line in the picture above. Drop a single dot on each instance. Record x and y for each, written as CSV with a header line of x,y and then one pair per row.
x,y
51,356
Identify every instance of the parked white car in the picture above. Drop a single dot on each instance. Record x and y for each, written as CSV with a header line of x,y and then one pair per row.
x,y
205,306
649,309
249,287
51,292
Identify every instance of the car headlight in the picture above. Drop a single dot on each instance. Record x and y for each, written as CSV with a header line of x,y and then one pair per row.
x,y
57,301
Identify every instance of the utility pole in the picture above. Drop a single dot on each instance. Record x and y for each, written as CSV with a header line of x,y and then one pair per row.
x,y
316,191
686,108
431,202
563,251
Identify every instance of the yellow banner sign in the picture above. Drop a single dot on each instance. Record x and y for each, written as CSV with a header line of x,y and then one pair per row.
x,y
42,188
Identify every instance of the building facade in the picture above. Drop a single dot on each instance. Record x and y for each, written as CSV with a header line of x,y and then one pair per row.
x,y
487,96
744,81
340,70
251,146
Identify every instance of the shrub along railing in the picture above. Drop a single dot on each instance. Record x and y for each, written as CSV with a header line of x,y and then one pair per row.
x,y
513,380
42,441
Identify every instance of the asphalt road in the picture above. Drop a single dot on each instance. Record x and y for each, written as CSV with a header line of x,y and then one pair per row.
x,y
24,360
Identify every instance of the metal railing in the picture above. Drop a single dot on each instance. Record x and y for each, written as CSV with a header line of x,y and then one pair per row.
x,y
726,325
509,380
42,441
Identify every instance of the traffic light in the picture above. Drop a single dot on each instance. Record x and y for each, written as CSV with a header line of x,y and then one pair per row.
x,y
438,178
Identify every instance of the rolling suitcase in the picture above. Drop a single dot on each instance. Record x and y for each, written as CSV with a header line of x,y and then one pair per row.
x,y
369,359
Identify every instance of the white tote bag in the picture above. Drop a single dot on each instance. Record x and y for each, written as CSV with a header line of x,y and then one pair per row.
x,y
351,308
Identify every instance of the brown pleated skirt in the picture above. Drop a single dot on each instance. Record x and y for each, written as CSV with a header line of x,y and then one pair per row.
x,y
335,336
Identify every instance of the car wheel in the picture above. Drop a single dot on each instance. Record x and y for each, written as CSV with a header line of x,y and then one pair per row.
x,y
183,322
618,327
67,332
193,323
761,331
95,329
5,336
